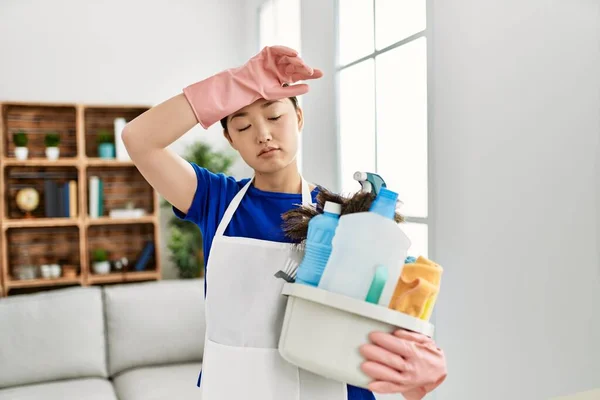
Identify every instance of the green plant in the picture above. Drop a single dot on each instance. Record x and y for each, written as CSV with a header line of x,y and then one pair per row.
x,y
105,136
185,241
99,255
185,247
52,139
20,138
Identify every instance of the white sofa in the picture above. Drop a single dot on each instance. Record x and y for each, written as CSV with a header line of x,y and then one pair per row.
x,y
141,341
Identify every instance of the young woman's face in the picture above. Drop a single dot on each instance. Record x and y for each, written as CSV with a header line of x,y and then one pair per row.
x,y
265,134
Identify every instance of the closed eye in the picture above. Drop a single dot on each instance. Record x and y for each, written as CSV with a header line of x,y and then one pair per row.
x,y
275,118
243,129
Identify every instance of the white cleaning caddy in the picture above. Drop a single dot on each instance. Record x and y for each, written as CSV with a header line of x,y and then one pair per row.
x,y
323,331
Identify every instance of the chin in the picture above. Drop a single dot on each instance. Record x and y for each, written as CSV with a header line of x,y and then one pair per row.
x,y
270,166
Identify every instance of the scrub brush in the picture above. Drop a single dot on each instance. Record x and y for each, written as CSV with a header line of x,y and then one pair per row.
x,y
288,273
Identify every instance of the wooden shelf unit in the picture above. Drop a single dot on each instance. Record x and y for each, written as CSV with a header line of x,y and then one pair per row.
x,y
47,240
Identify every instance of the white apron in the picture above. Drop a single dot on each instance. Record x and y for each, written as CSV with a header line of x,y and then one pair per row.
x,y
244,315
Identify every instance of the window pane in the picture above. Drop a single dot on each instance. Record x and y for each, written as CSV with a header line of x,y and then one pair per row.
x,y
398,19
287,16
355,29
267,24
357,122
417,233
402,124
280,23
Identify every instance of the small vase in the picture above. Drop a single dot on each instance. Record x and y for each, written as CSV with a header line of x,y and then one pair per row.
x,y
21,153
52,153
101,267
106,150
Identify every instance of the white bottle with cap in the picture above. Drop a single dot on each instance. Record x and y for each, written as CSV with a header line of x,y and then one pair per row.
x,y
364,243
321,229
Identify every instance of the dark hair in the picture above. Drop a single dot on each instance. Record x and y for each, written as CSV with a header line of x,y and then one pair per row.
x,y
293,99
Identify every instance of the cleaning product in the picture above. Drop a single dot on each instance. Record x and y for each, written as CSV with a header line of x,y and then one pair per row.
x,y
377,285
321,230
379,280
364,242
369,181
417,289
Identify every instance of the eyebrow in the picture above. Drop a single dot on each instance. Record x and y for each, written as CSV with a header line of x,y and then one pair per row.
x,y
264,105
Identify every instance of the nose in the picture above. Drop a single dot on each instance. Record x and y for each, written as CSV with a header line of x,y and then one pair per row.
x,y
263,134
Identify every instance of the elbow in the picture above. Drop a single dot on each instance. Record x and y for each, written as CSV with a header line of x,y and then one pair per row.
x,y
128,138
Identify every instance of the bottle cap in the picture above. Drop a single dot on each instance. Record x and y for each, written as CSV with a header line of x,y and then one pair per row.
x,y
331,207
360,176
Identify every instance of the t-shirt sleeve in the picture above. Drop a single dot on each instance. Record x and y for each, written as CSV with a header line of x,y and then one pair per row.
x,y
210,192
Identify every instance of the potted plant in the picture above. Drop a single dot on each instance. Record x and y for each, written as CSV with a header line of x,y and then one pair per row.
x,y
100,263
106,144
52,140
185,239
20,140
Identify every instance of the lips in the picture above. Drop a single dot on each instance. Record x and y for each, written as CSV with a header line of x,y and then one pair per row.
x,y
267,150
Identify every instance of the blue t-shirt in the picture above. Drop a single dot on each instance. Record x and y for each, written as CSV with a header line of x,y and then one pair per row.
x,y
258,217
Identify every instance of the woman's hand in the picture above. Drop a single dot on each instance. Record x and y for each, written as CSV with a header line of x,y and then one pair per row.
x,y
263,76
403,362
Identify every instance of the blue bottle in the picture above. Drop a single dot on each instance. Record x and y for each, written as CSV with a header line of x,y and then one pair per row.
x,y
321,230
385,203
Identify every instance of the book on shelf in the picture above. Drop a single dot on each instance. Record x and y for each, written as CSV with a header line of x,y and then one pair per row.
x,y
96,197
60,199
120,150
145,256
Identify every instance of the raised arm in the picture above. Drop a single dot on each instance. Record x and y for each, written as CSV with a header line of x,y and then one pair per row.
x,y
146,139
206,102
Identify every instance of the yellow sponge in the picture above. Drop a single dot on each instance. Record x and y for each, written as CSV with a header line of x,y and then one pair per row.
x,y
417,288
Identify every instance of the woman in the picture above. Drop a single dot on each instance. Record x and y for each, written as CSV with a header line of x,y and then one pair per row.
x,y
243,240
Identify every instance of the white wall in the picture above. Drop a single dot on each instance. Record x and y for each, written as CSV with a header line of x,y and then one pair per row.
x,y
515,138
515,161
125,51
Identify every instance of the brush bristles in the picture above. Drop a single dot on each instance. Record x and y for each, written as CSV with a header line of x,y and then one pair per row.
x,y
295,221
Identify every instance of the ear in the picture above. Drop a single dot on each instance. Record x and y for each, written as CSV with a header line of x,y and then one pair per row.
x,y
300,117
228,137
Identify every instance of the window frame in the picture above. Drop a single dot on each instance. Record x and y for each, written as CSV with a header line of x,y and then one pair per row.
x,y
427,34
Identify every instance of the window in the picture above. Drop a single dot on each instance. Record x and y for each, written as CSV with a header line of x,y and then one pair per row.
x,y
382,102
279,24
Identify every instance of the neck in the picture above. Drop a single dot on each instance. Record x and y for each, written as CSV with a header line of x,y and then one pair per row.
x,y
287,180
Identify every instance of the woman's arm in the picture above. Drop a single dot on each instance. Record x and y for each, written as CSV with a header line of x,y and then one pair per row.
x,y
146,139
206,102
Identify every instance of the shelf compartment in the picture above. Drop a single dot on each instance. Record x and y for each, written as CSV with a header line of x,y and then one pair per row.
x,y
120,186
120,221
36,120
41,162
29,248
39,222
103,118
123,240
56,194
104,162
31,283
122,277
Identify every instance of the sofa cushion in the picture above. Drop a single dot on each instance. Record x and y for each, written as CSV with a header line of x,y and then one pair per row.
x,y
77,389
154,323
52,335
159,383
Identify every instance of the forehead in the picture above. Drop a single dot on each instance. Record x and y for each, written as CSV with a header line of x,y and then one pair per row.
x,y
258,105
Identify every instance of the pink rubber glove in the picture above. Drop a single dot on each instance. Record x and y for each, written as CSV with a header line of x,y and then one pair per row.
x,y
262,76
403,362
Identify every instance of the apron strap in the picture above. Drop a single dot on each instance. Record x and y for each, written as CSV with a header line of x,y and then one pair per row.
x,y
306,197
306,200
